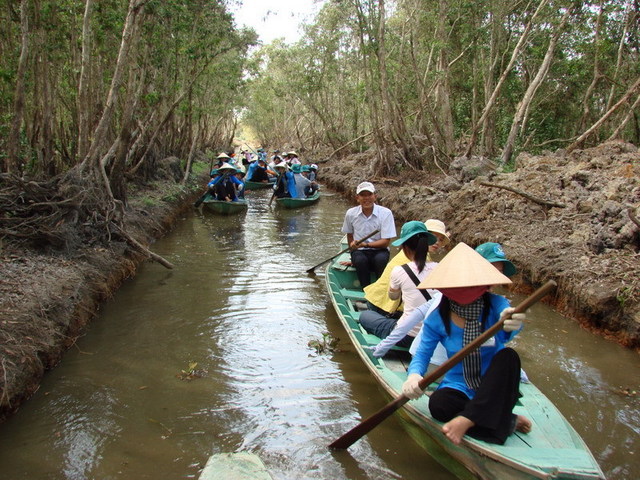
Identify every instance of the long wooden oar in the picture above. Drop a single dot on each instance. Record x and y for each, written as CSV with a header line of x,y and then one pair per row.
x,y
201,199
275,188
310,270
360,430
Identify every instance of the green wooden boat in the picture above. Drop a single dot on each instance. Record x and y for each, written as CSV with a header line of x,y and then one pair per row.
x,y
249,185
235,466
298,202
552,450
224,208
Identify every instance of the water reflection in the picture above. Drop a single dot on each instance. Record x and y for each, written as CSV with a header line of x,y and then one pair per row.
x,y
241,306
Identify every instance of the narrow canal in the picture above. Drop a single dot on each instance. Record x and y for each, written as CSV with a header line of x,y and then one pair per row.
x,y
239,304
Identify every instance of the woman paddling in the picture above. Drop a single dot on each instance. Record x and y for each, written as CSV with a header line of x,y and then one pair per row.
x,y
477,396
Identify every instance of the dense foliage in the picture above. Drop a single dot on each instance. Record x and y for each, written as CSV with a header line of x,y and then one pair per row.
x,y
174,74
424,80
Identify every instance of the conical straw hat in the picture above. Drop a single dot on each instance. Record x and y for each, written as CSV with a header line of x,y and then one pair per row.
x,y
226,166
463,267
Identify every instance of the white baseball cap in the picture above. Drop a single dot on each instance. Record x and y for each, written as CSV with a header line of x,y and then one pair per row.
x,y
365,187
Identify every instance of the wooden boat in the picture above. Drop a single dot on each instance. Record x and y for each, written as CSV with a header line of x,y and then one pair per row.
x,y
249,185
224,208
298,202
235,466
552,450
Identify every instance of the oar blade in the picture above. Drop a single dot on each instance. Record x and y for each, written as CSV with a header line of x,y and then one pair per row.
x,y
360,430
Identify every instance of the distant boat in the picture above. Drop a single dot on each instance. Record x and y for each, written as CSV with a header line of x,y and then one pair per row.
x,y
249,185
288,202
552,450
224,208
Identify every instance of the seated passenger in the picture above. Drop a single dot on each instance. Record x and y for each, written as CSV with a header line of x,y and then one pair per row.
x,y
313,172
372,255
222,158
293,158
284,186
224,187
415,239
258,172
376,293
240,176
304,186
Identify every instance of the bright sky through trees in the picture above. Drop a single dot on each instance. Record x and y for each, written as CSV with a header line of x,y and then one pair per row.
x,y
275,18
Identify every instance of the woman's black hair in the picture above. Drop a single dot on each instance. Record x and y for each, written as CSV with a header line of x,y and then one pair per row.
x,y
445,312
419,245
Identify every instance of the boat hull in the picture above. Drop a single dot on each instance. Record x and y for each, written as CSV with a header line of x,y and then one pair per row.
x,y
225,208
298,202
249,185
552,450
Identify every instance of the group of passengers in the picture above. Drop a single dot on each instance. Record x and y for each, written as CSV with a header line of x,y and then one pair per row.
x,y
289,177
434,310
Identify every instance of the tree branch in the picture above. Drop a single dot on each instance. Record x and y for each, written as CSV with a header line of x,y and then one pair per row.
x,y
537,200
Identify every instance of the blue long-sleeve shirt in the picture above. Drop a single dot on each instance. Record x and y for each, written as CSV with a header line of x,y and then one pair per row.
x,y
233,179
433,331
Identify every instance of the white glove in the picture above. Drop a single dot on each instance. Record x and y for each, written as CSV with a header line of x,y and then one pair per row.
x,y
410,387
513,323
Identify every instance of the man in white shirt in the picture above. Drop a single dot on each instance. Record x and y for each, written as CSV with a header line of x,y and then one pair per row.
x,y
372,255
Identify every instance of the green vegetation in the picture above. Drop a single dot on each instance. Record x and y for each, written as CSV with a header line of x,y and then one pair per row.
x,y
328,344
424,81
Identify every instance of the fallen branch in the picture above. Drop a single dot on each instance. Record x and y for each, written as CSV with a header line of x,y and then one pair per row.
x,y
134,243
537,200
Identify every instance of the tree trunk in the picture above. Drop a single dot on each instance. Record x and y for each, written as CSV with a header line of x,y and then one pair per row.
x,y
492,100
626,119
523,106
91,161
443,94
630,17
83,104
387,114
12,161
580,140
586,107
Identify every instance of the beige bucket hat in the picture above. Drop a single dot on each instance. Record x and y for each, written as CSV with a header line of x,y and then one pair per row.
x,y
463,267
438,226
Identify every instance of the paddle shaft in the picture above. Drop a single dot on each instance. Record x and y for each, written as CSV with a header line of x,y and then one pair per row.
x,y
201,199
364,427
342,251
275,188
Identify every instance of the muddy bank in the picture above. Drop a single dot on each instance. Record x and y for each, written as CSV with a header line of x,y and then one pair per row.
x,y
570,218
46,300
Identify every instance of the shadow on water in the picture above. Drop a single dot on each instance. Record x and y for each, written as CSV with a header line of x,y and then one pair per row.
x,y
214,356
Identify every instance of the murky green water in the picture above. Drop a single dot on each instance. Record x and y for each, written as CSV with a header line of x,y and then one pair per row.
x,y
240,305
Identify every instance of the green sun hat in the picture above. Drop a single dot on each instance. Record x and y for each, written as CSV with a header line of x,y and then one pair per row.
x,y
296,168
412,228
305,168
493,253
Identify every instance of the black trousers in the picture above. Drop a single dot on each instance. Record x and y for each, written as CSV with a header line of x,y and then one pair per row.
x,y
369,261
491,408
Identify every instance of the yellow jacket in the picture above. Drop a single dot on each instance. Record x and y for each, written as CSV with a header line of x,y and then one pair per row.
x,y
378,292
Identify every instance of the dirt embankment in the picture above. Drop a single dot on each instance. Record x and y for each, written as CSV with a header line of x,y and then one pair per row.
x,y
47,299
571,218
